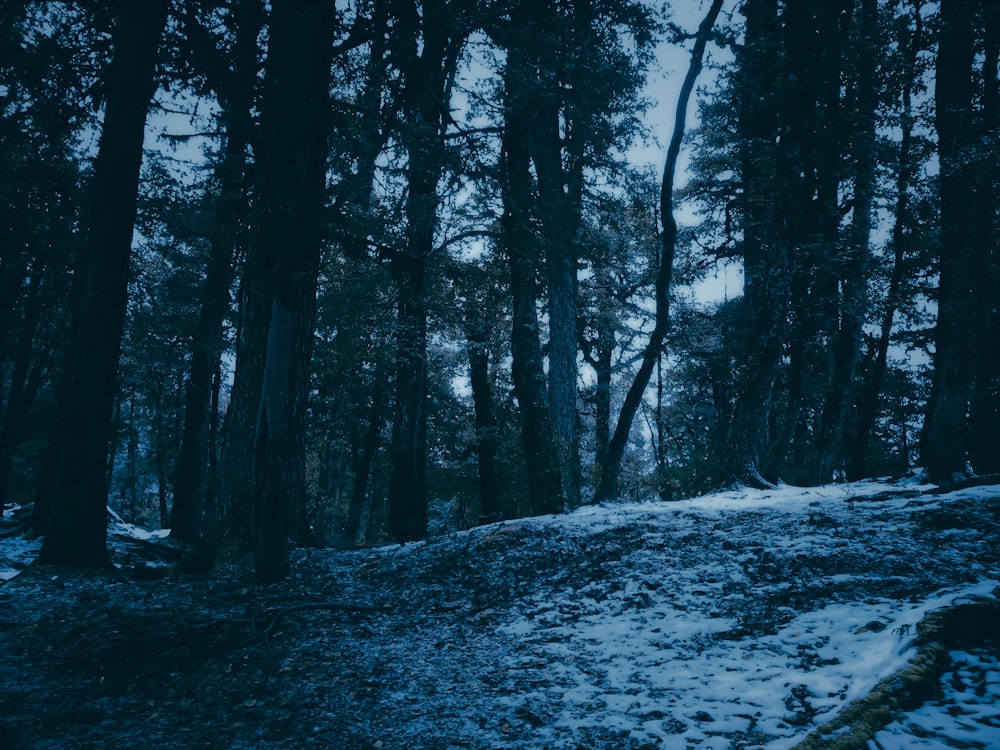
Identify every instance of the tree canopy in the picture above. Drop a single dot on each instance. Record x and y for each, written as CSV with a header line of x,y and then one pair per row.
x,y
313,273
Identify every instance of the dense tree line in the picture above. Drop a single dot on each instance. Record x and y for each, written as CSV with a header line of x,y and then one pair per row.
x,y
388,269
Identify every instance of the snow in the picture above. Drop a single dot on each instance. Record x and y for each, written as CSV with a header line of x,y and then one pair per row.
x,y
633,654
743,619
17,552
968,710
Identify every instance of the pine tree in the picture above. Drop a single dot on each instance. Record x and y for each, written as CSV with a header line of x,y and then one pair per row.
x,y
76,533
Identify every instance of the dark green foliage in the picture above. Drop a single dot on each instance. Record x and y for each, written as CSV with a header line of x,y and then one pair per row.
x,y
407,291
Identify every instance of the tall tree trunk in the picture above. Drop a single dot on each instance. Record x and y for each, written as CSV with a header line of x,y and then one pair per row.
x,y
427,47
747,440
487,439
408,451
236,470
77,531
984,426
538,443
944,447
857,465
608,487
561,221
294,130
850,312
192,479
810,154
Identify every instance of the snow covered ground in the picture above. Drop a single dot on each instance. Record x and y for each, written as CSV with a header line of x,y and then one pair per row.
x,y
737,620
661,658
966,714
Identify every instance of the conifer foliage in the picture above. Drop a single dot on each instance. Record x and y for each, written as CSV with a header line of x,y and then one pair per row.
x,y
313,273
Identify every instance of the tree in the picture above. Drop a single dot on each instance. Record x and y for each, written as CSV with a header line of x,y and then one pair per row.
x,y
480,320
76,533
425,46
984,422
195,482
852,260
651,355
292,168
901,88
545,485
944,444
48,65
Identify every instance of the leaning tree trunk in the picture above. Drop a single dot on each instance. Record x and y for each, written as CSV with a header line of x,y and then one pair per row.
x,y
294,130
77,531
608,487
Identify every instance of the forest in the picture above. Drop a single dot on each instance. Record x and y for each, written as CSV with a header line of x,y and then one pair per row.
x,y
342,273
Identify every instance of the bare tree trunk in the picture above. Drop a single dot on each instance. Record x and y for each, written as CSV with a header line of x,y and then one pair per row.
x,y
608,486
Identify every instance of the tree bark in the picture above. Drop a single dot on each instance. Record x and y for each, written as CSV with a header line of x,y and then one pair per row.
x,y
872,388
831,449
294,131
984,424
608,487
192,480
944,446
78,527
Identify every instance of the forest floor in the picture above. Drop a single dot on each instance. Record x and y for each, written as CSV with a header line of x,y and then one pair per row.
x,y
738,620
